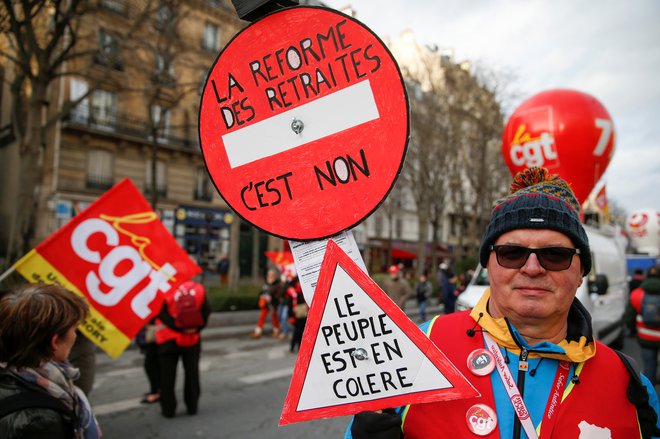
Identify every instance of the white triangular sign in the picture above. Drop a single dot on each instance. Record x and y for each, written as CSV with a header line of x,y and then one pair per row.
x,y
361,352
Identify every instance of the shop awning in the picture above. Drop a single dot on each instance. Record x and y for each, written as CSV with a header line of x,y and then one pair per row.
x,y
402,254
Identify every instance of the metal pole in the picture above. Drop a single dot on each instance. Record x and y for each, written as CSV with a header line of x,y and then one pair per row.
x,y
7,273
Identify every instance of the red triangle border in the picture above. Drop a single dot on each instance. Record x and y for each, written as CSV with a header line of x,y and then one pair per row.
x,y
335,256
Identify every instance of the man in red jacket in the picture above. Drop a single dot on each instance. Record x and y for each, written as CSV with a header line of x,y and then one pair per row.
x,y
174,342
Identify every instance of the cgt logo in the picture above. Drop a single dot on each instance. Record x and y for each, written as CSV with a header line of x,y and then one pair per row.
x,y
526,150
104,285
481,419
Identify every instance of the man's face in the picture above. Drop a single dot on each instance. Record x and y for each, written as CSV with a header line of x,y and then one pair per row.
x,y
531,292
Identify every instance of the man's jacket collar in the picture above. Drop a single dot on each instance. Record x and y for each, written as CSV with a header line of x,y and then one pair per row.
x,y
577,347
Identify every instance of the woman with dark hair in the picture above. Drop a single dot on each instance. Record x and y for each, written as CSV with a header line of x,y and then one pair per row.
x,y
37,396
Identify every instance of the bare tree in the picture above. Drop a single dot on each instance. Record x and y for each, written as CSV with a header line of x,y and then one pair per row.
x,y
479,170
430,151
44,41
160,58
454,164
617,213
392,207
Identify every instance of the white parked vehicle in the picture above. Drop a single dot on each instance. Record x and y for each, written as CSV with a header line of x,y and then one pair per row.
x,y
604,292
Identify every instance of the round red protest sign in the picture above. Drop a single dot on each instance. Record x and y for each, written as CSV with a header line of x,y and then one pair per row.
x,y
304,123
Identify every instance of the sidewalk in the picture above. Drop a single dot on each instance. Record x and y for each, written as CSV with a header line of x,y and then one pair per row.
x,y
240,323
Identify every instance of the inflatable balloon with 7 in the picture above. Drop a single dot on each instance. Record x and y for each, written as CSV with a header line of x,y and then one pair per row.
x,y
568,132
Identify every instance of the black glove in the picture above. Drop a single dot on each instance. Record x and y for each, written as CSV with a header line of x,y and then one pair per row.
x,y
372,425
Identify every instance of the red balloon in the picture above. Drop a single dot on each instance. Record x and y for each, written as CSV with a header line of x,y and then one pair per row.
x,y
568,132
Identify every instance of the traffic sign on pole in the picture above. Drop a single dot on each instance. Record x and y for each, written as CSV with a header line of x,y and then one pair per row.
x,y
304,123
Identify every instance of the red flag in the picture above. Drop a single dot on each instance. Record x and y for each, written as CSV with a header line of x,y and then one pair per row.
x,y
601,203
284,262
119,256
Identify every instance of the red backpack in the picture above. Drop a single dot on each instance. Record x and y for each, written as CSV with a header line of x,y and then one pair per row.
x,y
187,314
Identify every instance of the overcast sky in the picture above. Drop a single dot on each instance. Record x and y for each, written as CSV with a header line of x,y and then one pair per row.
x,y
607,48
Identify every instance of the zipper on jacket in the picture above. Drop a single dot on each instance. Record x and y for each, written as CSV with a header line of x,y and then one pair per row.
x,y
522,369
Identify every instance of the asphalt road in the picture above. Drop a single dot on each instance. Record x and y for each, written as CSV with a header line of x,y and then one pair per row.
x,y
244,383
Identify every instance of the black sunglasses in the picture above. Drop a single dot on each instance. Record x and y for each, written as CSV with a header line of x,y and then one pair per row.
x,y
550,258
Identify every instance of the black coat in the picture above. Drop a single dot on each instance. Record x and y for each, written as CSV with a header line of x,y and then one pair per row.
x,y
30,423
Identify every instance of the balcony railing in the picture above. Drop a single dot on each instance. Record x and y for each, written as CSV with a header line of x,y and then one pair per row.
x,y
109,60
98,182
203,195
160,188
109,121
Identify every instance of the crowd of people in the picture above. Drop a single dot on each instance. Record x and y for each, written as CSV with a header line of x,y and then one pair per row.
x,y
399,287
283,299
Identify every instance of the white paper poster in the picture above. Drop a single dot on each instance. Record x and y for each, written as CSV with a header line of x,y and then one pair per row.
x,y
308,257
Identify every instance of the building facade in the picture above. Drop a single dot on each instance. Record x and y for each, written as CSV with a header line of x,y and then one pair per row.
x,y
134,102
136,99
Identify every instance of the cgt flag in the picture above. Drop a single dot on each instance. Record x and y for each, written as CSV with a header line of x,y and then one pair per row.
x,y
119,256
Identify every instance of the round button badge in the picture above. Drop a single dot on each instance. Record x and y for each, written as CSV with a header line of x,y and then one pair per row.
x,y
481,362
481,419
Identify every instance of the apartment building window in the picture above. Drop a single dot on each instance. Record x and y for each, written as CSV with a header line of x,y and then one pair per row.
x,y
99,169
203,189
104,109
161,118
162,65
164,17
108,51
161,181
378,225
78,89
398,228
210,40
164,70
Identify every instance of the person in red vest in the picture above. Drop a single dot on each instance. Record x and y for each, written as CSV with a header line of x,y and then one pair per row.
x,y
272,293
528,346
647,324
184,314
